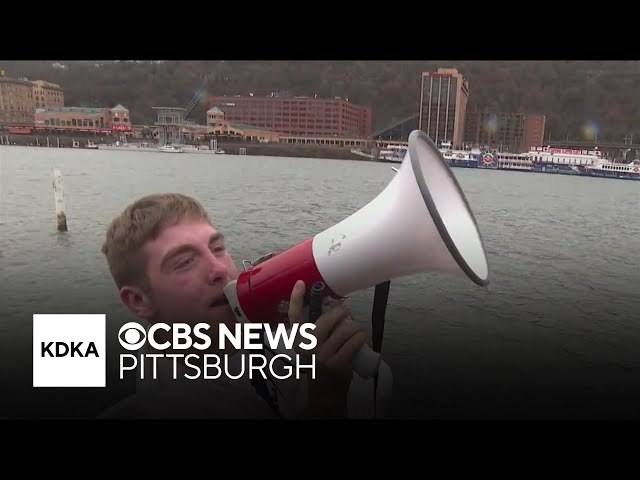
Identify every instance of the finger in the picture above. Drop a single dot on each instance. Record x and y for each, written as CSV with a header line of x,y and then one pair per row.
x,y
348,351
296,303
328,321
337,338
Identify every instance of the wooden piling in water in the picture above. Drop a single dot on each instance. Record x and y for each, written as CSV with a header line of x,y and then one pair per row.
x,y
61,213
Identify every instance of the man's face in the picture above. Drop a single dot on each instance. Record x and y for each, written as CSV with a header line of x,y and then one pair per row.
x,y
188,267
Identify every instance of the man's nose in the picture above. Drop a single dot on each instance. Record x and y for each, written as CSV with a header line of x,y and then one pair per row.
x,y
217,269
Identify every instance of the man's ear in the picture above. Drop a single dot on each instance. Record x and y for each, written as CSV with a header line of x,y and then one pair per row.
x,y
137,301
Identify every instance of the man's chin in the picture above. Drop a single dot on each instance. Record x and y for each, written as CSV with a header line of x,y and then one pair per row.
x,y
221,314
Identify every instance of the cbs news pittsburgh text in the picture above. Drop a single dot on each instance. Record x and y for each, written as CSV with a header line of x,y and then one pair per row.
x,y
69,350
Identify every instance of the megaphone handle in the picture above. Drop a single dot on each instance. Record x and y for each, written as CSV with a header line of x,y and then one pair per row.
x,y
366,361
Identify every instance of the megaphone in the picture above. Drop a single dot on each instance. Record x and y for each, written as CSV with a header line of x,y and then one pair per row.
x,y
421,222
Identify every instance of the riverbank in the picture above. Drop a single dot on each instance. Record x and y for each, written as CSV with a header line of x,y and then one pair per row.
x,y
229,147
288,150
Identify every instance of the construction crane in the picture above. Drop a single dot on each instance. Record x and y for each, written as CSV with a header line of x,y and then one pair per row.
x,y
196,97
194,101
173,120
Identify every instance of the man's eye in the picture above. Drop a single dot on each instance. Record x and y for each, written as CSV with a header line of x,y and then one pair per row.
x,y
219,248
184,262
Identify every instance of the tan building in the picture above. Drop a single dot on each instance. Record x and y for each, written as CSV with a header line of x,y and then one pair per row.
x,y
16,101
82,119
443,103
119,119
507,132
215,117
218,125
296,115
47,95
534,132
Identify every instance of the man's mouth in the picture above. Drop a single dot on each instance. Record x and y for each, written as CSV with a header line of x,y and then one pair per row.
x,y
220,301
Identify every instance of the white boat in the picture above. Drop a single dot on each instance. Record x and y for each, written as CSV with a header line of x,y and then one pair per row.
x,y
514,161
457,157
171,149
393,153
563,160
573,161
606,168
357,151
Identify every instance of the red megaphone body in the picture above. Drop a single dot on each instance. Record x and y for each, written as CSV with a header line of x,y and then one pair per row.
x,y
264,289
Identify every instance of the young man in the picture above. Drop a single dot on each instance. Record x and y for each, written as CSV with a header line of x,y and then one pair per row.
x,y
170,265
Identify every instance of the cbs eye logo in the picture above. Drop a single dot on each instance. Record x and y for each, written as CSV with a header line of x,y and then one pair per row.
x,y
132,336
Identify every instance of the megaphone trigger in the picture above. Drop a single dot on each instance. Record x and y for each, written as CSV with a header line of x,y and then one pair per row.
x,y
316,297
366,361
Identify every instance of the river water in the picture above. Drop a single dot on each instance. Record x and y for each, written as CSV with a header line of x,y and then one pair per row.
x,y
554,335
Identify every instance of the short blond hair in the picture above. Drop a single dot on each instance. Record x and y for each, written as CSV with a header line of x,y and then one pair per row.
x,y
140,222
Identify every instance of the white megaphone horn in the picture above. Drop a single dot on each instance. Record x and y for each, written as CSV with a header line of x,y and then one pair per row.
x,y
421,222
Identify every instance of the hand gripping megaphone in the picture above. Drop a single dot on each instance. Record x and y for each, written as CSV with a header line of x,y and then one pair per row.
x,y
421,222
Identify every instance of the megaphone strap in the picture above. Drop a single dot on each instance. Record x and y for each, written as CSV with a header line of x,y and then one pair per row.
x,y
380,297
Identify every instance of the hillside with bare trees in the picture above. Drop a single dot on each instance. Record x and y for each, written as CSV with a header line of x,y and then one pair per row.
x,y
572,94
